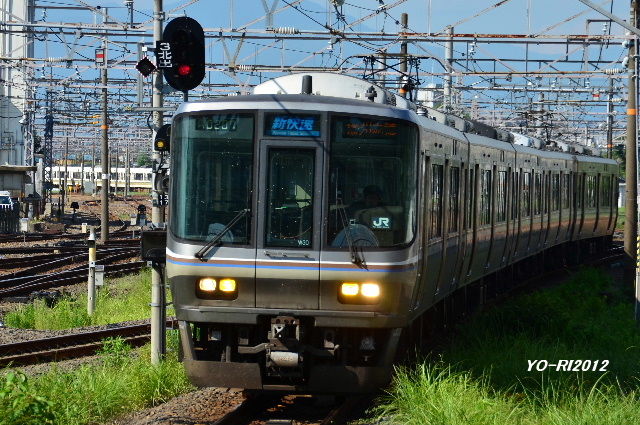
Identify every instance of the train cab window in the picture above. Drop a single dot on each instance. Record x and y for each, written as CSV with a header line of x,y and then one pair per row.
x,y
605,191
526,194
437,183
501,196
211,164
372,182
555,192
485,197
289,215
454,198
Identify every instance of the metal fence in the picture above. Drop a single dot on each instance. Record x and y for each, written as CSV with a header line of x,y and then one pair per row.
x,y
9,219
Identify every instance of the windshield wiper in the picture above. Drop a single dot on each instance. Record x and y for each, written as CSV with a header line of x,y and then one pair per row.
x,y
356,256
213,242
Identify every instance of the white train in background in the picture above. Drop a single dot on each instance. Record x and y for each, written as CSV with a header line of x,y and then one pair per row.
x,y
138,178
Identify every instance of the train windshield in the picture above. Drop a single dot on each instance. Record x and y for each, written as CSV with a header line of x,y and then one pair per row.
x,y
212,159
372,182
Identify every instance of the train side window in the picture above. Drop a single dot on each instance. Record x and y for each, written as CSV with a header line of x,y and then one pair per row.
x,y
501,197
555,192
485,197
454,198
436,200
526,195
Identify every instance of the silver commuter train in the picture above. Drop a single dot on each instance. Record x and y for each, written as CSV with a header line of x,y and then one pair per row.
x,y
308,230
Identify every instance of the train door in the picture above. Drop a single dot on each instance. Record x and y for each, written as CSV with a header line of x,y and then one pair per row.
x,y
579,194
512,218
451,233
471,222
597,195
288,246
434,225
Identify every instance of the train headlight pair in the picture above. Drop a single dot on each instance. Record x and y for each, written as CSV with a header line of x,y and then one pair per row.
x,y
211,288
359,293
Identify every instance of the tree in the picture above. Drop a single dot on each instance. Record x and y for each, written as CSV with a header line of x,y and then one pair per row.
x,y
143,160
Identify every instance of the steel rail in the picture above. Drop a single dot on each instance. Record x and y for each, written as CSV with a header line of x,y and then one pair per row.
x,y
72,345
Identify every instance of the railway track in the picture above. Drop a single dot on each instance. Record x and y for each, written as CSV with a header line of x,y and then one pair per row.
x,y
31,279
273,409
72,345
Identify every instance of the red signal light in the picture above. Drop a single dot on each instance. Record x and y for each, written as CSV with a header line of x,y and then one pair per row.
x,y
184,70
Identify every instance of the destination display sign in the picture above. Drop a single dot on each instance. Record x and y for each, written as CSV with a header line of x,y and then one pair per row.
x,y
218,123
370,129
292,125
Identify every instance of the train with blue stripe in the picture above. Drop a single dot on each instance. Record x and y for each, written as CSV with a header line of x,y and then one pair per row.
x,y
320,223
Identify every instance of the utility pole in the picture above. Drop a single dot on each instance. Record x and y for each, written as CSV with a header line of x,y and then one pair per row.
x,y
610,120
66,172
158,320
448,79
404,21
104,193
631,238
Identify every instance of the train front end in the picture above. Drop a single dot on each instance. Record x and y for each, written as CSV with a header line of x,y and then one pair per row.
x,y
292,251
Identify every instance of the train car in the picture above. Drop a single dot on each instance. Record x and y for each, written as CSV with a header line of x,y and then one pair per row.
x,y
139,178
315,221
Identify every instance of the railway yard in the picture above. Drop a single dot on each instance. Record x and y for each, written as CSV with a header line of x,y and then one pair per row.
x,y
319,212
47,268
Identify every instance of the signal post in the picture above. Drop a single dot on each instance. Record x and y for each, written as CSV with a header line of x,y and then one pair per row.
x,y
180,57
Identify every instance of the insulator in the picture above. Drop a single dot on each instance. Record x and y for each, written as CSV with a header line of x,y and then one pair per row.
x,y
55,60
286,30
244,67
613,71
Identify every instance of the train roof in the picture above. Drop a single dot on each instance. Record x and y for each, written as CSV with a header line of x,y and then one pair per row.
x,y
346,93
295,102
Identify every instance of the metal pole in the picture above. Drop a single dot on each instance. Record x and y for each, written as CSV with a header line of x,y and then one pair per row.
x,y
93,166
630,225
404,21
117,155
158,324
82,172
104,193
127,172
91,284
448,79
66,172
610,120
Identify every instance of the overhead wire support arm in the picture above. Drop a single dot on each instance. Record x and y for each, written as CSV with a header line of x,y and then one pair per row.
x,y
611,16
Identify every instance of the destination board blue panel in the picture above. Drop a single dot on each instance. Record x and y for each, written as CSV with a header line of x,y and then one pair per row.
x,y
292,125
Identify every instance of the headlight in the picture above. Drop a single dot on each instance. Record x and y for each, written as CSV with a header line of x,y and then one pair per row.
x,y
370,290
350,289
359,293
210,288
228,285
207,284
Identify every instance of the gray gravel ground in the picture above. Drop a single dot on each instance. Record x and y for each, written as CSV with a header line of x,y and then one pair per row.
x,y
200,407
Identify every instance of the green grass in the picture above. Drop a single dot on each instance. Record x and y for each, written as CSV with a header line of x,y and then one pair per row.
x,y
121,299
122,381
621,218
481,376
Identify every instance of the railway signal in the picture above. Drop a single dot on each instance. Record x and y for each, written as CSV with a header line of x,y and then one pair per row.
x,y
180,54
161,142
